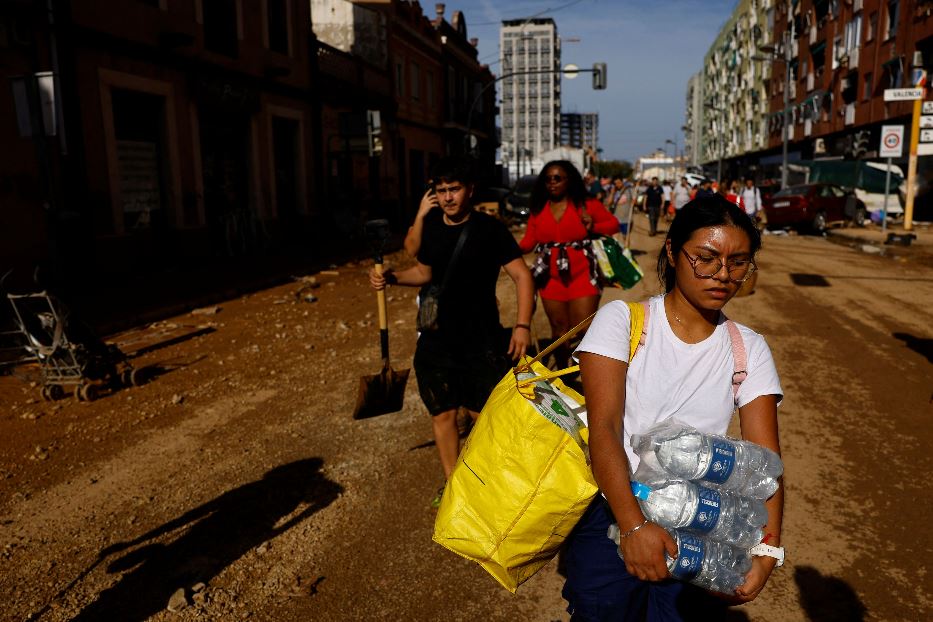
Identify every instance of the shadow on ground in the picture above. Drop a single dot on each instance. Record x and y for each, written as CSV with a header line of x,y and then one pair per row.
x,y
826,598
210,537
917,344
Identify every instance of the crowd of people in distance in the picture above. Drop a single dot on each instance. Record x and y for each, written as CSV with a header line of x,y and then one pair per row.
x,y
666,198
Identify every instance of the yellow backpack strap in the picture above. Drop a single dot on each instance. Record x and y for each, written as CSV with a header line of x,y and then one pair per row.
x,y
639,312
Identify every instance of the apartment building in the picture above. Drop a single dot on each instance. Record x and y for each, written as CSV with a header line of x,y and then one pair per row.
x,y
579,130
530,111
693,126
175,130
734,103
843,56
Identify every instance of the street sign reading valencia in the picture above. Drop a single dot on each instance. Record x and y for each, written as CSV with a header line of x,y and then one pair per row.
x,y
902,95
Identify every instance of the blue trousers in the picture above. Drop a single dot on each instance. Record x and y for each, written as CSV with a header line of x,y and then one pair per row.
x,y
598,588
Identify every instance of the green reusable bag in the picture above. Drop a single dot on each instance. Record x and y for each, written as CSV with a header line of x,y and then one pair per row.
x,y
625,270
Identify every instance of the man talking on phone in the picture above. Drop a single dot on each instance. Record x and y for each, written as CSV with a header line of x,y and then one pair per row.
x,y
461,252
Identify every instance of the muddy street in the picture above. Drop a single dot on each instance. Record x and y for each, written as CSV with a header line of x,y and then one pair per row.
x,y
235,485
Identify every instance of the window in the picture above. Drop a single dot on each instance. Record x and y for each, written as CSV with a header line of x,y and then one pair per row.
x,y
277,25
430,86
866,93
398,79
890,29
220,27
872,27
414,77
853,33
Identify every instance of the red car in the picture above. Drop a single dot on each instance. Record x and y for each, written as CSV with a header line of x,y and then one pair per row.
x,y
812,207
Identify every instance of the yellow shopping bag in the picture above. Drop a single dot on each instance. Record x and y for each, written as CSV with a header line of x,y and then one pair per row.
x,y
523,479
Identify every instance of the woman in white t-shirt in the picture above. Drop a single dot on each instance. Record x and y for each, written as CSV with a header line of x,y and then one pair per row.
x,y
683,370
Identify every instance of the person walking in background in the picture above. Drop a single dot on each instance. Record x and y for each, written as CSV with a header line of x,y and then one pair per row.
x,y
751,196
654,198
705,189
729,189
666,208
685,370
562,220
620,202
593,188
680,195
459,361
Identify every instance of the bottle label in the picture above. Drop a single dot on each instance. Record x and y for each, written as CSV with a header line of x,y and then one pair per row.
x,y
690,553
722,463
641,491
707,514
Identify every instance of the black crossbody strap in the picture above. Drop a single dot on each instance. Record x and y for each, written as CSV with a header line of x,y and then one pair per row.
x,y
453,258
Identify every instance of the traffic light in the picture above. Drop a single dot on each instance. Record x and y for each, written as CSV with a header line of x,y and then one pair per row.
x,y
599,76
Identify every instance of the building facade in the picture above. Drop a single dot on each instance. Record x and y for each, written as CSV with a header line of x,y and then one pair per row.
x,y
175,131
734,102
693,126
832,60
530,109
579,130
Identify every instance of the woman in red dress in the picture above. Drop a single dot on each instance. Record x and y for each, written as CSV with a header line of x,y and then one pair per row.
x,y
563,217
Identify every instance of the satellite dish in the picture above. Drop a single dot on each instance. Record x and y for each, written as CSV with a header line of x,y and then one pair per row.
x,y
571,71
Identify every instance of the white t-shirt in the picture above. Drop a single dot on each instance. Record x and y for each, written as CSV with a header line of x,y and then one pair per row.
x,y
752,199
671,378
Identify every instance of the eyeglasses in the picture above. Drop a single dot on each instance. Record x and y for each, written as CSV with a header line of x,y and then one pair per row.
x,y
554,178
739,270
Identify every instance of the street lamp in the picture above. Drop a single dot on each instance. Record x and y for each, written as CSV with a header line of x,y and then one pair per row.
x,y
773,56
668,141
719,113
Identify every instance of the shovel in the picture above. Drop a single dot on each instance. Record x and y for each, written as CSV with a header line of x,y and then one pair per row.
x,y
384,392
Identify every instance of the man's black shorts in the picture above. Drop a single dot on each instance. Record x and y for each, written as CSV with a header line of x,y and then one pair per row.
x,y
444,386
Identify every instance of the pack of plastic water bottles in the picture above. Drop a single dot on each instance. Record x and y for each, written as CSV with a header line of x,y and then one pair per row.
x,y
708,491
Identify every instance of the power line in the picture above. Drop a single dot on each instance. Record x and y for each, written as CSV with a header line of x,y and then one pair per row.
x,y
538,14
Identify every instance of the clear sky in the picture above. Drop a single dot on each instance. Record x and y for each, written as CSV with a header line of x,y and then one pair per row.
x,y
651,47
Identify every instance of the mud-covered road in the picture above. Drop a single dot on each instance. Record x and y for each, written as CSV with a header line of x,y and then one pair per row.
x,y
236,485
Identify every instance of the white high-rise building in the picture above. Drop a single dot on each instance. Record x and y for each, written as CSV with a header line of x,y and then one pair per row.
x,y
530,102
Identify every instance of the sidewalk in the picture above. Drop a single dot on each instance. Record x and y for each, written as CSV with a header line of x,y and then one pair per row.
x,y
871,239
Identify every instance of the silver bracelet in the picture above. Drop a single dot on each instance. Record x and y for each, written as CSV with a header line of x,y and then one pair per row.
x,y
632,530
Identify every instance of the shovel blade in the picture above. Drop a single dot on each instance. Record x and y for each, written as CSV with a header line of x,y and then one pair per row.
x,y
381,393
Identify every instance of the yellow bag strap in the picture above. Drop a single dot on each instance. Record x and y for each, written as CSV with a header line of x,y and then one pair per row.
x,y
638,312
557,343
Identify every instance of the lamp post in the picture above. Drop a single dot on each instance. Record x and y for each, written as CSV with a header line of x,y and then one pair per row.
x,y
668,141
788,38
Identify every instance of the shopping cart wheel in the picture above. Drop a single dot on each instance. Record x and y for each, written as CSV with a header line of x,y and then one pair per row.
x,y
56,392
132,377
87,392
46,395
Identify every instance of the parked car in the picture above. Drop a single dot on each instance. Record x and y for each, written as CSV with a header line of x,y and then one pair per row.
x,y
518,203
491,200
812,207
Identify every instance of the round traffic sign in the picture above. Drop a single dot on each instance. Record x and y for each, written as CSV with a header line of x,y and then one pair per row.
x,y
891,140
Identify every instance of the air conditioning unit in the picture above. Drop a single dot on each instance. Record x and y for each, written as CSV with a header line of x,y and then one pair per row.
x,y
918,59
856,6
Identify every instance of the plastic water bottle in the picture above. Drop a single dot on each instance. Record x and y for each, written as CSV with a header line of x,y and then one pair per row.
x,y
740,466
703,562
722,516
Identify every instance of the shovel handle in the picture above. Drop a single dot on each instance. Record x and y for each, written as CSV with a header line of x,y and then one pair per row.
x,y
383,318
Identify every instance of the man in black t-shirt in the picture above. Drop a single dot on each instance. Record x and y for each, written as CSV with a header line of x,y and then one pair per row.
x,y
654,196
459,363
